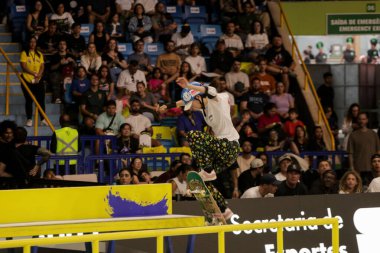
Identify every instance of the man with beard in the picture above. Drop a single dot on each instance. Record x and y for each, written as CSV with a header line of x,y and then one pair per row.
x,y
221,59
363,143
140,123
280,61
142,58
254,100
188,121
169,63
233,42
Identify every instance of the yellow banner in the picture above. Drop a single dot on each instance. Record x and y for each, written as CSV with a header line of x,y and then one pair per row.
x,y
85,203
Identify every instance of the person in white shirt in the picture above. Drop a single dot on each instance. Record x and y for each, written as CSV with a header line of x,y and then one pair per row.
x,y
179,184
196,61
283,163
233,41
212,153
236,76
149,5
183,40
63,19
267,188
130,77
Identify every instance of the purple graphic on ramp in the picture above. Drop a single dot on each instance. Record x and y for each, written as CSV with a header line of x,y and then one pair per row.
x,y
122,207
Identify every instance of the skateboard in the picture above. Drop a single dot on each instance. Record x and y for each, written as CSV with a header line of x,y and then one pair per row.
x,y
211,211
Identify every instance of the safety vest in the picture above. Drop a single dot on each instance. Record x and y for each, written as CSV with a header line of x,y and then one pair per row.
x,y
67,143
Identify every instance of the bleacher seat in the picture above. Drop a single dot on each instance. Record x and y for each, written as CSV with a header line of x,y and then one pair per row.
x,y
17,18
125,49
18,12
154,50
176,13
158,162
164,135
86,30
210,33
196,14
180,150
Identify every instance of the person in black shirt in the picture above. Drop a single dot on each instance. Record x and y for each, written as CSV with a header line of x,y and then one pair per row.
x,y
76,42
125,143
292,185
254,100
326,91
48,41
221,59
251,177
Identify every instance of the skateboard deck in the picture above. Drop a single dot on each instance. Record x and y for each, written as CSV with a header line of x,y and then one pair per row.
x,y
211,211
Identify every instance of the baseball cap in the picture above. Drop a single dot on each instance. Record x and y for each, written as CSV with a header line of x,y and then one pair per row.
x,y
269,179
294,167
188,95
257,163
284,157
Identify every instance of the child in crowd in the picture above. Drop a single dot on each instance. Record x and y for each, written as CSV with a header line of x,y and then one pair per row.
x,y
122,102
78,87
114,28
291,124
157,87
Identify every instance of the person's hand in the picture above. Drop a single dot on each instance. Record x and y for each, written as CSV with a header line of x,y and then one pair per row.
x,y
162,109
35,170
182,82
235,194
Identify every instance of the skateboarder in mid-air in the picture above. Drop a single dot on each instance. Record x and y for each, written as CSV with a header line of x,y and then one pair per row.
x,y
212,153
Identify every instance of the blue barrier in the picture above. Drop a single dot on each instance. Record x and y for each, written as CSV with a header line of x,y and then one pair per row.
x,y
106,166
64,168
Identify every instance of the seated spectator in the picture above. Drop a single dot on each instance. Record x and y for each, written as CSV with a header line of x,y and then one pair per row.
x,y
115,29
221,59
169,62
91,60
149,6
157,86
179,183
274,143
186,72
313,178
98,10
249,133
245,159
36,21
292,185
221,87
147,101
374,186
269,119
109,122
228,9
267,188
105,82
129,78
251,177
48,41
254,100
125,143
99,37
280,61
292,122
125,177
78,12
283,164
245,18
233,42
62,64
236,80
142,58
183,40
122,102
114,60
317,143
163,24
76,42
196,61
146,178
267,81
188,121
257,40
63,19
93,100
140,123
329,184
136,167
350,183
124,8
79,86
167,175
283,100
140,25
300,142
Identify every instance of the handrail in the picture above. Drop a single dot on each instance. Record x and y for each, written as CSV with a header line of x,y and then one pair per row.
x,y
159,234
308,80
9,64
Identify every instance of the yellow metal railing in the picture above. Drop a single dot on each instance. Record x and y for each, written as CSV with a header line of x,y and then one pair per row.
x,y
159,234
11,68
308,81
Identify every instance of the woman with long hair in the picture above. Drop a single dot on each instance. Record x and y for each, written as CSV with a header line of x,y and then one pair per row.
x,y
105,82
113,59
257,40
99,36
283,100
91,60
350,123
36,21
32,64
300,142
140,25
351,182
